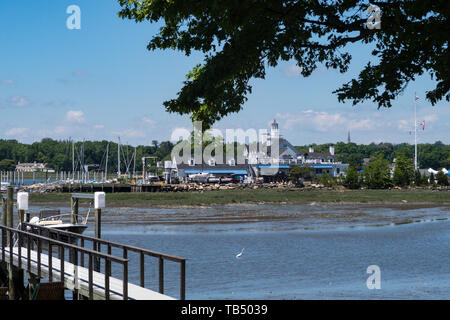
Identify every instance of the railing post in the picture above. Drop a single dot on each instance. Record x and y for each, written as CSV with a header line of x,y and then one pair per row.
x,y
9,211
3,244
161,275
142,267
3,224
61,260
125,280
98,232
183,280
91,278
75,275
50,261
107,275
39,249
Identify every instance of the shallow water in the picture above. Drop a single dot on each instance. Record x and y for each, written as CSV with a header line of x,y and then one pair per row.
x,y
293,251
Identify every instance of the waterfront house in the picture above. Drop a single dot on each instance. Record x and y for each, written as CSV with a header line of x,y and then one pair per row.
x,y
32,167
275,154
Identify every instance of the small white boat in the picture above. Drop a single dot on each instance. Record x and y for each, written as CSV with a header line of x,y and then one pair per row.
x,y
4,186
201,177
53,219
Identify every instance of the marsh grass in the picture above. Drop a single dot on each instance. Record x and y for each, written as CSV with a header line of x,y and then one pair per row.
x,y
222,197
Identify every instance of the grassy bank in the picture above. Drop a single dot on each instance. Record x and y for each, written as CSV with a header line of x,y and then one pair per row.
x,y
222,197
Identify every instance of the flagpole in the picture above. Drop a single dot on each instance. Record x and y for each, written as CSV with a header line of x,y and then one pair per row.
x,y
415,132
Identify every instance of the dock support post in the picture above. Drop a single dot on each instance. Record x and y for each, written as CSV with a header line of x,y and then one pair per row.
x,y
33,282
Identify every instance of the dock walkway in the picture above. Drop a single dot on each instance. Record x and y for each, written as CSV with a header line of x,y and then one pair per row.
x,y
77,277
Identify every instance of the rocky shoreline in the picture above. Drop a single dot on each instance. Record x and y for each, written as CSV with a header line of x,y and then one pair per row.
x,y
56,187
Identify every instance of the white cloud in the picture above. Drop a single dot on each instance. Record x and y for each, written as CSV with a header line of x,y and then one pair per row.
x,y
99,126
147,122
292,71
324,121
61,129
18,101
404,125
408,124
14,132
430,118
129,133
7,81
76,116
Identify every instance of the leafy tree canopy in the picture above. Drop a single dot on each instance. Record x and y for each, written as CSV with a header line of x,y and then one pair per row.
x,y
241,38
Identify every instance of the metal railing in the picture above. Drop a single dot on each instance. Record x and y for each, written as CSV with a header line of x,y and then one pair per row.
x,y
97,244
39,241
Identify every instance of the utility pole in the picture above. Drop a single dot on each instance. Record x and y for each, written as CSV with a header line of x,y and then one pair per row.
x,y
415,132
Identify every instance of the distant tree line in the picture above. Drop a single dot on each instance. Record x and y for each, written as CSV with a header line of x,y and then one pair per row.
x,y
382,166
436,155
58,154
377,174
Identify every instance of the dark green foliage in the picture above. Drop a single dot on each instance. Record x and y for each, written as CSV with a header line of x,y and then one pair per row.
x,y
7,165
377,174
352,180
434,155
419,180
58,154
442,178
432,179
404,171
326,180
297,172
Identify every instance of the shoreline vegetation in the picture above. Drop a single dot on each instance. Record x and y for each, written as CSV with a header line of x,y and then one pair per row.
x,y
407,197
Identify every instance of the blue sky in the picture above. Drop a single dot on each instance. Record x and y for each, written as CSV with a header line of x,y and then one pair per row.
x,y
100,82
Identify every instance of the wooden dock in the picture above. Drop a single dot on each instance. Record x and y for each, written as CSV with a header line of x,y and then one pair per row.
x,y
72,261
76,278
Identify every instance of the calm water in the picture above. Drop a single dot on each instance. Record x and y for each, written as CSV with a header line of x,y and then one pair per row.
x,y
293,251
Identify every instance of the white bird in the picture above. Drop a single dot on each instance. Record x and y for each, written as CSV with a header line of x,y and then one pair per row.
x,y
240,253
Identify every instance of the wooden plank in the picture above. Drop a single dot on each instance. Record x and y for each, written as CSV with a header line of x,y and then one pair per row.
x,y
76,277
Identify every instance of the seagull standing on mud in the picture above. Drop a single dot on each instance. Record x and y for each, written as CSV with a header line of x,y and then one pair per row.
x,y
240,254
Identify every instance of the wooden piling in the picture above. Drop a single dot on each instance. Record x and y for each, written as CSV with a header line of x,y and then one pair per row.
x,y
74,210
98,223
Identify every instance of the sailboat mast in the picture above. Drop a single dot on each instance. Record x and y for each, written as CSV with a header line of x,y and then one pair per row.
x,y
106,164
134,163
118,159
73,160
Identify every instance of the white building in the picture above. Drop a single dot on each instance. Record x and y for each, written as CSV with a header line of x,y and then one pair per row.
x,y
32,167
276,153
